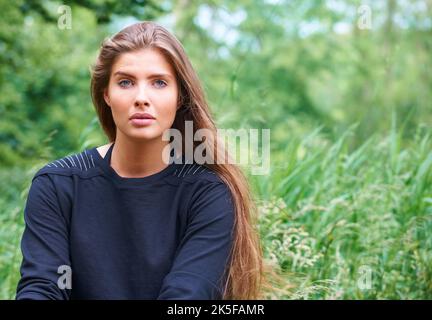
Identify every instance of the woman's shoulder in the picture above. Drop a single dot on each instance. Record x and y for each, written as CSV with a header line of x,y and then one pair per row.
x,y
194,172
81,163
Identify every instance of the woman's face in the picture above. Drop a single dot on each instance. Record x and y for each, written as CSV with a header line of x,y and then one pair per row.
x,y
142,82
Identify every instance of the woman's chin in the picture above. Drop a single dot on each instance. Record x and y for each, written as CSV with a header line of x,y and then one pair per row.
x,y
144,134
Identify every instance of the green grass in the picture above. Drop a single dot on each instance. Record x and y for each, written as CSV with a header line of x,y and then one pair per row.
x,y
14,185
331,218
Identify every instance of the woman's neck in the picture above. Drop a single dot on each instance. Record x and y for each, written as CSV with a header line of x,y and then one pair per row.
x,y
137,159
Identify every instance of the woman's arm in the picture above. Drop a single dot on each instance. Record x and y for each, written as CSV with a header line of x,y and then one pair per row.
x,y
203,253
44,245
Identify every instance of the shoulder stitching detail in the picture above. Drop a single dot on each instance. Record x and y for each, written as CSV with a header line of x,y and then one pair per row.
x,y
191,169
82,161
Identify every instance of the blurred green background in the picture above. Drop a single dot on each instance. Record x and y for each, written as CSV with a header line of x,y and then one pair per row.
x,y
344,86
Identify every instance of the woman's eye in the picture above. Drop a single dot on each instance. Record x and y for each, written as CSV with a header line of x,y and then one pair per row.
x,y
160,83
125,83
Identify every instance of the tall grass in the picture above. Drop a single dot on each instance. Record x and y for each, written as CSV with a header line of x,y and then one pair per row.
x,y
13,192
350,224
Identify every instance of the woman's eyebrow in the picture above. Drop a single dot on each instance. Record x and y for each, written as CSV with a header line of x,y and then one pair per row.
x,y
160,75
121,73
154,75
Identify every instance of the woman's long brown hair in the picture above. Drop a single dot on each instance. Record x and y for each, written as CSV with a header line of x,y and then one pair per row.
x,y
245,274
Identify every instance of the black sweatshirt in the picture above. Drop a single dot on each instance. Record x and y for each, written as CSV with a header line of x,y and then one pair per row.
x,y
164,236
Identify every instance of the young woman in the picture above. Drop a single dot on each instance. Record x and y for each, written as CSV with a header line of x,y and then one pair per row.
x,y
118,221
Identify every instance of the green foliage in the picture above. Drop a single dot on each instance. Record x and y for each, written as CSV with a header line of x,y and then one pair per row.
x,y
328,214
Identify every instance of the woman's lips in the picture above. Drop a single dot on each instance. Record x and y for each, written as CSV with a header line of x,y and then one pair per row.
x,y
141,122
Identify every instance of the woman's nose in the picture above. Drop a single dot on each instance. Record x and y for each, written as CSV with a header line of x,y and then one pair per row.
x,y
141,98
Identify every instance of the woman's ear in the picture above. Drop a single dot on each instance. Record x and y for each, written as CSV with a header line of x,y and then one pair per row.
x,y
106,97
